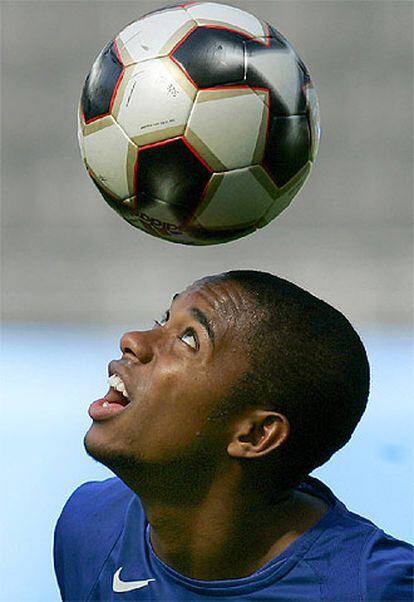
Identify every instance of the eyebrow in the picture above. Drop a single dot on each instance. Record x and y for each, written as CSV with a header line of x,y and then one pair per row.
x,y
204,321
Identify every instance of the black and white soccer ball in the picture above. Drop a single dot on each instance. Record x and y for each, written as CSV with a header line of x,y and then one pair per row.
x,y
199,123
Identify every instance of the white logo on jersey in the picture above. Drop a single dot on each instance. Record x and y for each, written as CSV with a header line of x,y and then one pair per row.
x,y
120,586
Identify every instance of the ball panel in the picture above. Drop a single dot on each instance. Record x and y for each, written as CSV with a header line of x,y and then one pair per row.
x,y
163,220
160,229
208,193
157,18
285,196
313,118
156,11
159,225
215,120
204,237
275,67
97,125
211,57
194,236
204,151
126,58
152,216
211,13
263,129
120,91
155,103
160,135
173,217
238,201
265,180
171,172
280,40
288,147
110,154
128,206
80,134
101,83
112,200
154,35
177,74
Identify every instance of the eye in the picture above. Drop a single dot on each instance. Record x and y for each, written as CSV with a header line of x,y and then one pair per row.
x,y
163,320
189,338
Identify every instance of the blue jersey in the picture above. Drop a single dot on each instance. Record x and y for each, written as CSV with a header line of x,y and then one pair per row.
x,y
103,551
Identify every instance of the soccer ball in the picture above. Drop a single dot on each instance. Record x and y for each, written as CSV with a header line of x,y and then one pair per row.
x,y
198,123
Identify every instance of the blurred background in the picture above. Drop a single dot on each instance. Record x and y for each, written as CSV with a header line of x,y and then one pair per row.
x,y
75,276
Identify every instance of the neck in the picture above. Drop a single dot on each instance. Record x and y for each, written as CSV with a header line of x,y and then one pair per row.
x,y
225,530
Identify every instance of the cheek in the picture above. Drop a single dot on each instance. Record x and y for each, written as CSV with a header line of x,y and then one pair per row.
x,y
179,413
172,403
172,419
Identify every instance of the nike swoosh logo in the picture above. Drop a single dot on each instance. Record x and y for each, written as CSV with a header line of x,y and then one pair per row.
x,y
120,586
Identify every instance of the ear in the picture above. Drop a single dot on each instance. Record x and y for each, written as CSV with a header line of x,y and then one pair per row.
x,y
258,433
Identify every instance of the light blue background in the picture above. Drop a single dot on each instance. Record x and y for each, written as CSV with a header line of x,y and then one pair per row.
x,y
50,376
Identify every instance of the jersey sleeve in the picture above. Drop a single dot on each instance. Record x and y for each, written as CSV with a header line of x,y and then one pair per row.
x,y
387,570
86,531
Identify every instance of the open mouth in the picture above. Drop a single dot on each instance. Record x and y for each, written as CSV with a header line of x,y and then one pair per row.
x,y
117,393
114,402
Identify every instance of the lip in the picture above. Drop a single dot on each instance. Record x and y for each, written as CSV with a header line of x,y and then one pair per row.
x,y
100,413
118,367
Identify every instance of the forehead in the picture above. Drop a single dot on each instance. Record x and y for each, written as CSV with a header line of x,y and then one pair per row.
x,y
225,305
223,301
220,298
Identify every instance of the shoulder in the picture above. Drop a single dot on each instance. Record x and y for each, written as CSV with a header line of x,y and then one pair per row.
x,y
355,558
385,563
90,502
86,531
387,568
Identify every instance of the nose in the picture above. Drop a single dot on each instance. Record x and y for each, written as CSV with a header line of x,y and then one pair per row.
x,y
138,345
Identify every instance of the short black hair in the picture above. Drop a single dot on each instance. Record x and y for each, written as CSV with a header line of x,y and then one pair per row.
x,y
307,363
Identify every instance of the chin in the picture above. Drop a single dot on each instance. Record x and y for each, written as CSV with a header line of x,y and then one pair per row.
x,y
102,451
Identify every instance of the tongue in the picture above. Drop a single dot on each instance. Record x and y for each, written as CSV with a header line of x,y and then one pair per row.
x,y
109,406
114,396
103,409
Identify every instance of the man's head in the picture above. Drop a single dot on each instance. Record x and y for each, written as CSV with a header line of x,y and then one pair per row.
x,y
247,369
308,364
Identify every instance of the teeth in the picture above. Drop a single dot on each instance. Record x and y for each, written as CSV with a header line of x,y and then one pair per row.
x,y
117,383
105,404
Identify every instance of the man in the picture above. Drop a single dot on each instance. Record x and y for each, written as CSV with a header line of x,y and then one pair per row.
x,y
213,420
